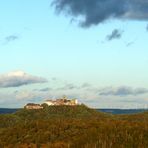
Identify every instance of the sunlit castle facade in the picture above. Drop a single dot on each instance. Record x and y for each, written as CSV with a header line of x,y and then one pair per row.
x,y
62,101
49,102
33,106
58,102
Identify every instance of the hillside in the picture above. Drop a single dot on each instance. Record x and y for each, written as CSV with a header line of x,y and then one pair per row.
x,y
79,111
72,127
52,112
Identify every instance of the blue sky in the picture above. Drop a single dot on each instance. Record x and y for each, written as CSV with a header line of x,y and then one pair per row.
x,y
37,41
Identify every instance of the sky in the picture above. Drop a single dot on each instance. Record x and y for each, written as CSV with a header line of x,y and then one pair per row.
x,y
90,50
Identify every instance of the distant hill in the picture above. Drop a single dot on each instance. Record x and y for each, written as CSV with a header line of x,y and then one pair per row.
x,y
7,110
122,111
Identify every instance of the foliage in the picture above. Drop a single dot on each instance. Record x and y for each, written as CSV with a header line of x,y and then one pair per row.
x,y
72,127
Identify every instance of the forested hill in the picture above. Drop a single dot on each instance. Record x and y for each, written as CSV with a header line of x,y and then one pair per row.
x,y
79,111
72,127
52,112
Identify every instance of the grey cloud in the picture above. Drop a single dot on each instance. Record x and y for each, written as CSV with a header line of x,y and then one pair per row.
x,y
43,89
54,79
86,85
93,12
147,28
116,34
122,91
129,44
19,78
64,85
68,86
11,38
71,86
28,95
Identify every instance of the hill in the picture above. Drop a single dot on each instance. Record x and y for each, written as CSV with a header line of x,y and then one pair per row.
x,y
72,127
50,113
79,111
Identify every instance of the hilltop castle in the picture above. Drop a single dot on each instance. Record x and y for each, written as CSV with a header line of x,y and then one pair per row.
x,y
58,102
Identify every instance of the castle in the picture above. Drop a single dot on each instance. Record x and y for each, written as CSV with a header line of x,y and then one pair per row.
x,y
62,101
50,102
33,106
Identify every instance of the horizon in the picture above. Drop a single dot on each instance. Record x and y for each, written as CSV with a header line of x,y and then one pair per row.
x,y
50,49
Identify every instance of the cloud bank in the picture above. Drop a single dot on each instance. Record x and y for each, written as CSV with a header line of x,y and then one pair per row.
x,y
93,12
122,91
19,78
108,97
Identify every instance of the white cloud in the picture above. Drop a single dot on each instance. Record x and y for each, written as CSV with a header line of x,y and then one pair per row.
x,y
19,78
